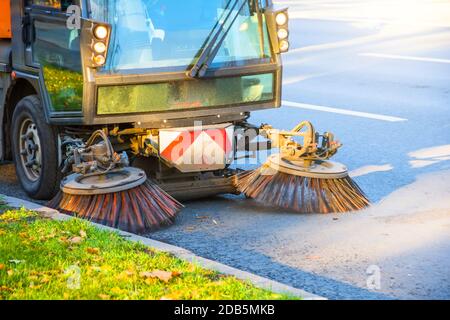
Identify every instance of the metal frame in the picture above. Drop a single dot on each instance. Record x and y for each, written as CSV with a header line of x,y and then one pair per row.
x,y
93,79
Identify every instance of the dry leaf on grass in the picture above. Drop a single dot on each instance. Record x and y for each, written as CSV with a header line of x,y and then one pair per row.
x,y
4,288
45,280
76,240
176,273
2,266
83,234
93,250
35,287
164,276
129,273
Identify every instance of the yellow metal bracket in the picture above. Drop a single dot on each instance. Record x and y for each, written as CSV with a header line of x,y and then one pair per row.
x,y
302,143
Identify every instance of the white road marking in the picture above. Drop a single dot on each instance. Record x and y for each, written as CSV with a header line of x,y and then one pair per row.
x,y
398,57
442,151
416,164
370,169
429,156
343,111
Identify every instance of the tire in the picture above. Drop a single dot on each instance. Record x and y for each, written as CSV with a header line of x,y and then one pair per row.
x,y
35,151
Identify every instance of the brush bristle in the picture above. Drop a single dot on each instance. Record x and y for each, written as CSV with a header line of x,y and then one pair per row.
x,y
302,194
138,210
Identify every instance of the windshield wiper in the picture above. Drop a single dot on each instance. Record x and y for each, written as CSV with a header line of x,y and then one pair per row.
x,y
211,50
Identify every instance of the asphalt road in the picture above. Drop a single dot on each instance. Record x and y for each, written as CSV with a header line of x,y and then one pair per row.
x,y
382,70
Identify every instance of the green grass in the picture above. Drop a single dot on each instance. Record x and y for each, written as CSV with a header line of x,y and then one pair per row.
x,y
47,259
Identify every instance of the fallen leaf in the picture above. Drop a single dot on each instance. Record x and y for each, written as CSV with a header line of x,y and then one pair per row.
x,y
164,276
104,297
145,274
129,273
83,234
76,240
97,259
49,236
33,286
4,288
93,250
176,273
2,266
10,272
45,280
64,239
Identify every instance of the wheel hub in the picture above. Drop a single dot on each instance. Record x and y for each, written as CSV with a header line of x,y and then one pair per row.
x,y
30,150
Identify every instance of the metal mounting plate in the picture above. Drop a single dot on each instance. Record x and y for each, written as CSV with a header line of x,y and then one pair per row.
x,y
111,182
318,169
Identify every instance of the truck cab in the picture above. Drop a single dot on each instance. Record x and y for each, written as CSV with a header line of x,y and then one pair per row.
x,y
170,82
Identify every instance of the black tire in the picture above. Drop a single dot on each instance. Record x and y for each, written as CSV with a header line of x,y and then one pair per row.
x,y
40,180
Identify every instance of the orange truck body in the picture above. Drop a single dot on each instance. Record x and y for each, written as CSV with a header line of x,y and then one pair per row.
x,y
5,19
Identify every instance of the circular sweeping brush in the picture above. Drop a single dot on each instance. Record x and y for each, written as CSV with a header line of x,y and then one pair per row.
x,y
124,199
325,187
105,190
301,178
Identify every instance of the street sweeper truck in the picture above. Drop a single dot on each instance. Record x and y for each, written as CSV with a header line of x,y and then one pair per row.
x,y
116,110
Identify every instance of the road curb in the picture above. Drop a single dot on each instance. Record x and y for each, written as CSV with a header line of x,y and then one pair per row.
x,y
179,252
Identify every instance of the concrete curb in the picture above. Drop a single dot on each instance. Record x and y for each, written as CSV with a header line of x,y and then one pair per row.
x,y
181,253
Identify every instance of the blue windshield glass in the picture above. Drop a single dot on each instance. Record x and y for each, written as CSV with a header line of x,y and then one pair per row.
x,y
169,34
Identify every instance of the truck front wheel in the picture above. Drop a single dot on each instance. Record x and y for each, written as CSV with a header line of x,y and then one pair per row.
x,y
35,149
